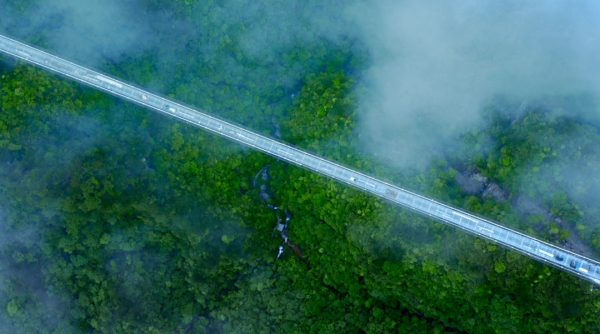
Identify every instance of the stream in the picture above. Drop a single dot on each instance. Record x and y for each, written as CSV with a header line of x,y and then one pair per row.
x,y
261,180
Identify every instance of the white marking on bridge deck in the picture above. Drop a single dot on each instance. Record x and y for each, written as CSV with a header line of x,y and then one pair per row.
x,y
485,229
463,216
24,53
109,81
545,253
241,135
369,184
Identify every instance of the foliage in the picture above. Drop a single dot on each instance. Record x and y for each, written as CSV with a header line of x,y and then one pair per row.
x,y
118,220
543,154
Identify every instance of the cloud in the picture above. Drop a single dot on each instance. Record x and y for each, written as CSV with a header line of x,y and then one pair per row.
x,y
83,30
435,65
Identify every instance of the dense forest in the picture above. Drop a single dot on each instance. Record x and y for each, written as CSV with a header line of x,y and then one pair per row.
x,y
115,219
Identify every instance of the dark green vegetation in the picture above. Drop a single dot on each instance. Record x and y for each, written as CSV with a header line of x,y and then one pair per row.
x,y
118,220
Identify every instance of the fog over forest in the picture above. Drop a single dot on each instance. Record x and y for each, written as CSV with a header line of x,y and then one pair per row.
x,y
432,67
436,65
116,219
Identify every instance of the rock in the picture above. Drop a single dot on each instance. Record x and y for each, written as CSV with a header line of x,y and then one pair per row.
x,y
469,183
479,177
277,132
263,193
494,191
475,183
